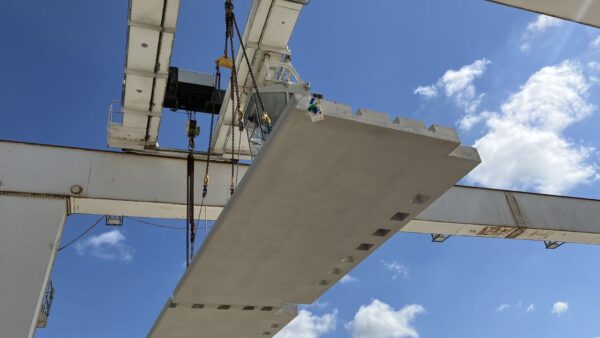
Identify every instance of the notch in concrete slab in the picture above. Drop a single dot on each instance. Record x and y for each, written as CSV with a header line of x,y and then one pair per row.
x,y
335,271
420,199
381,232
364,246
348,259
224,307
248,308
266,308
197,306
399,216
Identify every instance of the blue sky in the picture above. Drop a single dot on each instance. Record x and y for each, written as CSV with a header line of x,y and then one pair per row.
x,y
523,88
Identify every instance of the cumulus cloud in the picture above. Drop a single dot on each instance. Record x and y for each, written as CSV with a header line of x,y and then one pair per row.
x,y
525,146
348,279
536,27
530,308
458,86
379,320
308,325
108,246
319,304
559,308
595,43
427,92
398,270
502,307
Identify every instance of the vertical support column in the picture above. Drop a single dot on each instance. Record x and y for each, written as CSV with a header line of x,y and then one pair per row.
x,y
30,232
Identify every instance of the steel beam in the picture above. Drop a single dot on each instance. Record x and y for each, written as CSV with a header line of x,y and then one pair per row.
x,y
114,182
128,184
479,212
30,232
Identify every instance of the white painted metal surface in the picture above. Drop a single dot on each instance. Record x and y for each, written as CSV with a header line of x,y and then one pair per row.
x,y
97,206
30,231
586,12
268,30
149,46
467,211
41,169
294,226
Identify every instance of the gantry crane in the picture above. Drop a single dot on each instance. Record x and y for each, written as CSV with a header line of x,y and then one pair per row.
x,y
303,213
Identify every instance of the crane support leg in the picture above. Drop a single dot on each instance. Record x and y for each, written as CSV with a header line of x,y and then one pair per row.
x,y
30,232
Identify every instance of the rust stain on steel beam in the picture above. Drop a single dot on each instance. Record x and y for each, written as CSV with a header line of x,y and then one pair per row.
x,y
515,233
495,231
501,231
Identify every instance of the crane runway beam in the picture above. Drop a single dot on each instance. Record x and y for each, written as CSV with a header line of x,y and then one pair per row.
x,y
479,212
104,175
116,183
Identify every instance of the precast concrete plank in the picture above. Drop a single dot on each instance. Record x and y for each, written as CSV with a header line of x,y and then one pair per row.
x,y
318,199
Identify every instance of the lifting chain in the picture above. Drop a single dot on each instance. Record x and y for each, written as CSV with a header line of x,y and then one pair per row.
x,y
192,131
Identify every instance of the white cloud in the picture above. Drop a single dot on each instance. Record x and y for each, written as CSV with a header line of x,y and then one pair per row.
x,y
502,307
595,43
379,320
594,66
319,304
348,279
427,92
458,86
398,270
308,325
543,22
559,308
530,308
537,27
525,148
107,246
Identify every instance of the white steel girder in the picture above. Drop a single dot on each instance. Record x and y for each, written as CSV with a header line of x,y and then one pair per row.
x,y
586,12
111,182
128,184
268,30
150,36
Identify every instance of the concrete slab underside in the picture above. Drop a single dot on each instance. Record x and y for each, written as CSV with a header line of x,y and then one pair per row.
x,y
317,200
30,230
209,321
586,12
